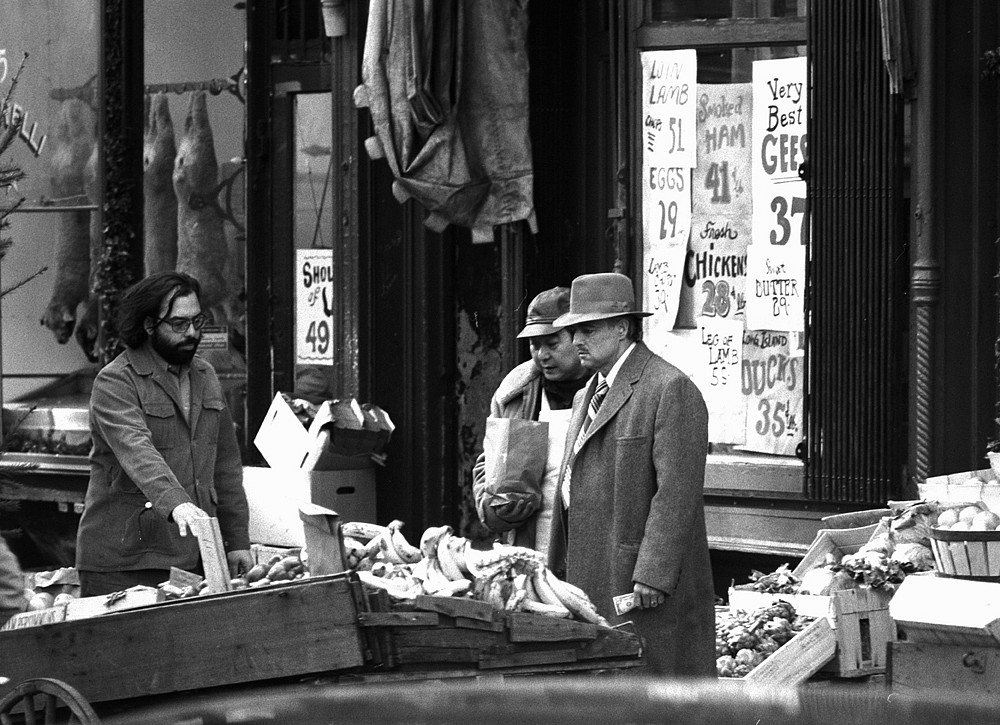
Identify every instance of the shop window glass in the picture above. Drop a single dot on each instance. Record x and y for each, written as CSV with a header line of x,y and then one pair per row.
x,y
313,232
723,212
194,168
48,322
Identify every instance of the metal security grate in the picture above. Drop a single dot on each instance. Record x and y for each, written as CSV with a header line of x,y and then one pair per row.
x,y
856,404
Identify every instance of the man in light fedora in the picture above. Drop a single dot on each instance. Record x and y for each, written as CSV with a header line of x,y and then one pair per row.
x,y
540,389
632,518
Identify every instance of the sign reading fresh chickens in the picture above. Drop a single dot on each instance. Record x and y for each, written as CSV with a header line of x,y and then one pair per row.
x,y
314,307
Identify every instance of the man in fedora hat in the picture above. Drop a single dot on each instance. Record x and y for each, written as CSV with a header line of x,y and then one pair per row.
x,y
631,514
540,389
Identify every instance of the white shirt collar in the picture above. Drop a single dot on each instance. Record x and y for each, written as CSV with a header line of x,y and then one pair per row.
x,y
616,367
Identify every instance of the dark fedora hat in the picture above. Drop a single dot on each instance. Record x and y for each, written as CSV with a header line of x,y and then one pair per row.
x,y
599,297
543,311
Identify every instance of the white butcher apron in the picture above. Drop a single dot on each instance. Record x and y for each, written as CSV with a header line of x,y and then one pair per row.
x,y
558,421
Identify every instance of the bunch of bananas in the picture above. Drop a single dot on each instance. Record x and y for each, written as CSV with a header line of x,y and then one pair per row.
x,y
511,578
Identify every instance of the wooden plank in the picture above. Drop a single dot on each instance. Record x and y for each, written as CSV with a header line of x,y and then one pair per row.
x,y
448,637
527,659
469,623
420,655
242,636
398,619
611,644
799,658
457,607
920,668
213,553
529,627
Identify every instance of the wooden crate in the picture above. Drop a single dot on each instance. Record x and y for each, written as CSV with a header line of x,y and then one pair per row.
x,y
859,618
435,631
922,668
286,629
800,658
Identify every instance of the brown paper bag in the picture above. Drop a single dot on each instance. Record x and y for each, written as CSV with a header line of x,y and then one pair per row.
x,y
516,451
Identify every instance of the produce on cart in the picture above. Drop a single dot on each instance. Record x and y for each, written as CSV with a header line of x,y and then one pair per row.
x,y
342,609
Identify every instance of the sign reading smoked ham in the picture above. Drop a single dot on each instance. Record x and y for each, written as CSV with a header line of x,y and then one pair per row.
x,y
314,306
715,266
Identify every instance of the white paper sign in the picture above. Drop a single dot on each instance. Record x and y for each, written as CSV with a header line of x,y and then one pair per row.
x,y
775,287
773,374
314,306
719,377
669,151
669,80
780,147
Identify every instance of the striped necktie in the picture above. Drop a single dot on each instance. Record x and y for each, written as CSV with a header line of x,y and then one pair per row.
x,y
595,405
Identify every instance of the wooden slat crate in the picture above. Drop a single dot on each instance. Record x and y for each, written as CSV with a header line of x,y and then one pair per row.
x,y
283,630
859,618
921,668
798,659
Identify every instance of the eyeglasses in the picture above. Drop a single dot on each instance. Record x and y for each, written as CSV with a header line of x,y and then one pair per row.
x,y
181,324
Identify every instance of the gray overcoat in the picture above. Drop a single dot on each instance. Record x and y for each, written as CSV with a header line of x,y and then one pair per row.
x,y
637,511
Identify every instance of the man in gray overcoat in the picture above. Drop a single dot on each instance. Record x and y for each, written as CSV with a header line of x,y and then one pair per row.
x,y
632,517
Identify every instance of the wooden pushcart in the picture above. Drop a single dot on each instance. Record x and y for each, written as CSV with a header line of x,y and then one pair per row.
x,y
323,629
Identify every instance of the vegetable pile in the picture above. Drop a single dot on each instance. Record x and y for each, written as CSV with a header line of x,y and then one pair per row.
x,y
743,641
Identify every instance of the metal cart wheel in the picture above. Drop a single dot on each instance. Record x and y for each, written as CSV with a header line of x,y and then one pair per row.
x,y
47,698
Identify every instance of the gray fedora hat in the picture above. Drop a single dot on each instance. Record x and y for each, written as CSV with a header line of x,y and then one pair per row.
x,y
599,297
543,311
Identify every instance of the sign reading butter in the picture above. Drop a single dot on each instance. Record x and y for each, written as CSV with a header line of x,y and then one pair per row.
x,y
314,306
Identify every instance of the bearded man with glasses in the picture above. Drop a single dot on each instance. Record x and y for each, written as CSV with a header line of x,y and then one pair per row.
x,y
164,448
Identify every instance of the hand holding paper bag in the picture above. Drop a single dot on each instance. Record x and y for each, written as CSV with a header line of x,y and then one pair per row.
x,y
515,452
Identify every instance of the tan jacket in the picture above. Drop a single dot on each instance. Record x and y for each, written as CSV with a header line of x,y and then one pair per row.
x,y
146,459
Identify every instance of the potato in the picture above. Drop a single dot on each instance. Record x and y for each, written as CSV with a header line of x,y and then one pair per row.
x,y
277,573
290,562
257,572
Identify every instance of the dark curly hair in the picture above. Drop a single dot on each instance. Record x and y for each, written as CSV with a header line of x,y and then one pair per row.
x,y
143,299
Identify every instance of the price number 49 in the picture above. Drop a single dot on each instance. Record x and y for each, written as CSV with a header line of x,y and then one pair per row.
x,y
318,336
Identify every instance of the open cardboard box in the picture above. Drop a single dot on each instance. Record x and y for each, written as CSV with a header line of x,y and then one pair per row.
x,y
275,494
343,435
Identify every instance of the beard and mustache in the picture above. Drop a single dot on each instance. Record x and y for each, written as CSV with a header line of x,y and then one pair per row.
x,y
175,353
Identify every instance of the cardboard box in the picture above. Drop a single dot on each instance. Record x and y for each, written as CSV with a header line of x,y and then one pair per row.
x,y
286,443
944,610
274,496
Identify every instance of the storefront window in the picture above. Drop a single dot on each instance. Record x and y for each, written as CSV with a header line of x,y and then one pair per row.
x,y
49,324
194,168
313,233
724,234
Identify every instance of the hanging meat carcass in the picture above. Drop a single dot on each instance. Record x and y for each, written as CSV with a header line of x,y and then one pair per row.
x,y
159,153
73,140
201,241
88,312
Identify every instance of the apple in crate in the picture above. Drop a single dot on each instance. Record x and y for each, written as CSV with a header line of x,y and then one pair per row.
x,y
984,521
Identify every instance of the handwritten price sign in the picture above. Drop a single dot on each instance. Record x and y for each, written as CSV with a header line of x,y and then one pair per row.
x,y
775,287
718,376
772,388
780,147
314,307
